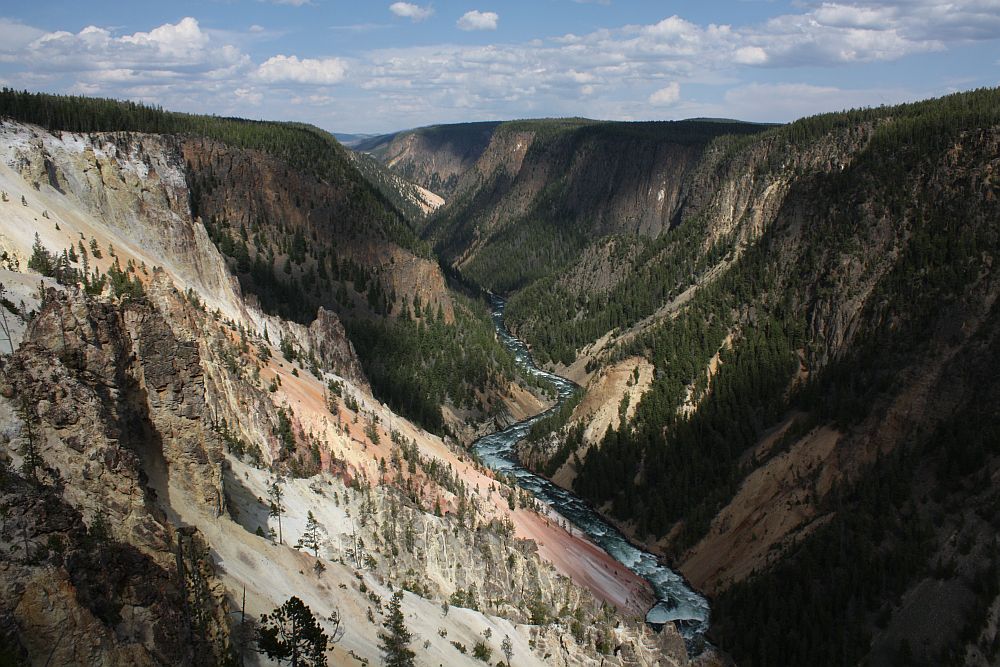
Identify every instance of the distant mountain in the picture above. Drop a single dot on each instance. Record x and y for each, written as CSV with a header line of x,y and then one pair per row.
x,y
351,140
702,119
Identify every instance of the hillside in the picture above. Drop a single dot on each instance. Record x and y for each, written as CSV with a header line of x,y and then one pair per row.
x,y
543,191
167,434
303,230
413,201
432,157
818,303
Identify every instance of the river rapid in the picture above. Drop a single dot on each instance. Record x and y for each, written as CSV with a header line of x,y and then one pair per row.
x,y
676,601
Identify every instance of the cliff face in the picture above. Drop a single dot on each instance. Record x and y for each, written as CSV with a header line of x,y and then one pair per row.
x,y
434,158
115,382
293,239
128,195
111,404
543,190
79,598
135,186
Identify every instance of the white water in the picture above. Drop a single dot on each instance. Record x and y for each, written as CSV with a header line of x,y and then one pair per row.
x,y
676,601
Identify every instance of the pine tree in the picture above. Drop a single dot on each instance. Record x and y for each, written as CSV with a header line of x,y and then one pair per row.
x,y
291,634
311,537
32,460
41,259
276,494
508,650
4,325
395,642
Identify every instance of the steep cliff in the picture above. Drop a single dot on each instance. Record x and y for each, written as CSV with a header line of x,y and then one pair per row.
x,y
124,190
294,238
148,414
435,157
816,317
544,190
106,421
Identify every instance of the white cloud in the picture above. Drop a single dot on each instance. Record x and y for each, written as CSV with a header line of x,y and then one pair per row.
x,y
185,66
174,40
293,3
14,35
290,69
411,11
251,96
666,96
477,20
181,46
750,55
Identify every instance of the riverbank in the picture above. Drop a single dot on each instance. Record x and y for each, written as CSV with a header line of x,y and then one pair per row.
x,y
675,600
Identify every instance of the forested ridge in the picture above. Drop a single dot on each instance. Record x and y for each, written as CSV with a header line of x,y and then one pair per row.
x,y
942,255
304,147
559,321
906,228
420,363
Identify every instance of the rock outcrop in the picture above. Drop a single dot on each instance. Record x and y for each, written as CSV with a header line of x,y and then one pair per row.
x,y
135,186
144,388
108,410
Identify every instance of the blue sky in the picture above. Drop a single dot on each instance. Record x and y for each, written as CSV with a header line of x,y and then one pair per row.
x,y
376,66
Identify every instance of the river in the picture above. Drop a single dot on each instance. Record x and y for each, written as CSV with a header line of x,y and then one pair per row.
x,y
676,601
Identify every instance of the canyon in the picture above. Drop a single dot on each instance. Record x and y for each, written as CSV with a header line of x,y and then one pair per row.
x,y
754,363
154,427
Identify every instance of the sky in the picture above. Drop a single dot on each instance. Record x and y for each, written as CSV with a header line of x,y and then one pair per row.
x,y
373,66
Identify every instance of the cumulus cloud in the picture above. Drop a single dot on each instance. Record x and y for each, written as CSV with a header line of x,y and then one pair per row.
x,y
181,46
315,71
179,65
477,20
666,96
173,40
411,11
15,35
